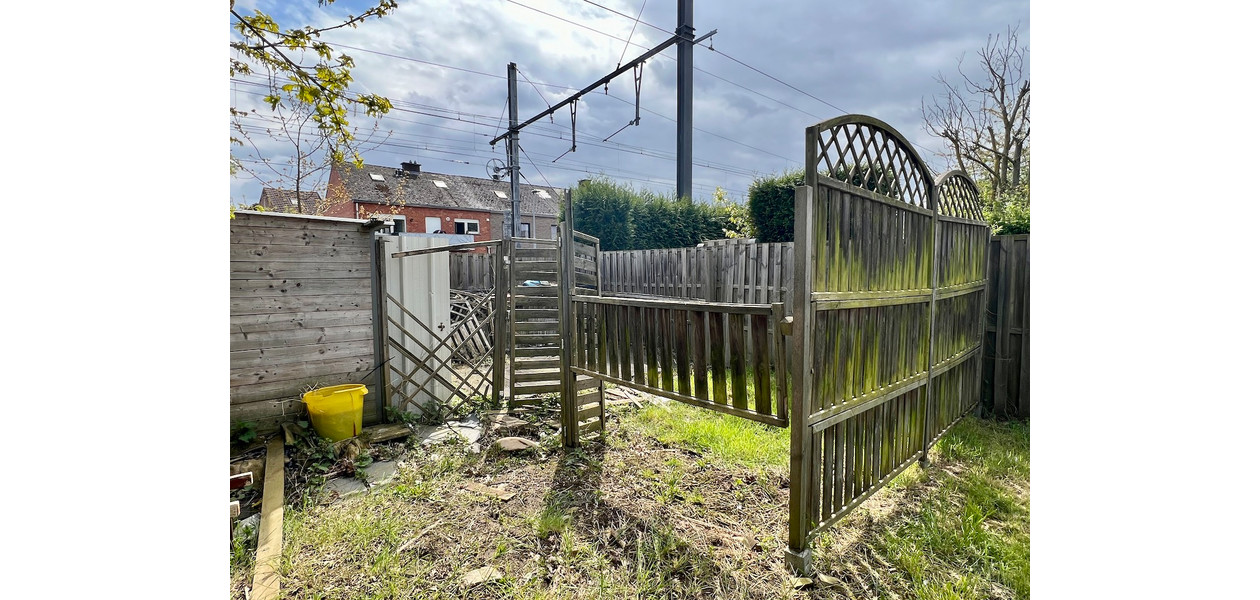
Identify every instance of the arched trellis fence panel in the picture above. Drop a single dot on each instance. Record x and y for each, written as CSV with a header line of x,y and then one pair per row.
x,y
883,329
887,328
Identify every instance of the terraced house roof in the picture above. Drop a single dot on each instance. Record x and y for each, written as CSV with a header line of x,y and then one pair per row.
x,y
413,187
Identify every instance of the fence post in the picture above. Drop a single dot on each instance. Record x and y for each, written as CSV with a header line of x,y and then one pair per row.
x,y
801,470
934,272
501,281
568,396
1002,334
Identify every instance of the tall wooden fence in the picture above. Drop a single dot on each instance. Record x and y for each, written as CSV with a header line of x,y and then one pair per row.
x,y
887,328
1006,383
742,273
709,274
301,312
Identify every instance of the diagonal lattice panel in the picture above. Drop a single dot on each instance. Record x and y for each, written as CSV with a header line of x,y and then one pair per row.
x,y
959,196
865,152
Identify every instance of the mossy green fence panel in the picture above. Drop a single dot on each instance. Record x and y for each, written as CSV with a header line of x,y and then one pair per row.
x,y
887,316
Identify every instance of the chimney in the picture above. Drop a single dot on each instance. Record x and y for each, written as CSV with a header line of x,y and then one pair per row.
x,y
411,167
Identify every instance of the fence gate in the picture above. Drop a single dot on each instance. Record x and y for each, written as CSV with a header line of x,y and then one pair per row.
x,y
888,289
715,355
534,352
439,350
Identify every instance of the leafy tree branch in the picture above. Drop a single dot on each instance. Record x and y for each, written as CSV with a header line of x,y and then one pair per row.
x,y
321,87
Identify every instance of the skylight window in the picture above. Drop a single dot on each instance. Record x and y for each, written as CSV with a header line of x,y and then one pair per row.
x,y
500,194
542,194
376,177
439,183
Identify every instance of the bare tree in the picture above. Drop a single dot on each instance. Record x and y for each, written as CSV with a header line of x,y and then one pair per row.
x,y
985,120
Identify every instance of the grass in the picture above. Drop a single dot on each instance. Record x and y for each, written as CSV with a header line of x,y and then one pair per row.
x,y
718,436
676,502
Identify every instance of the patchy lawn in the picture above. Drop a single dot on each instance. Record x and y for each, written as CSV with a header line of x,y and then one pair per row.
x,y
677,502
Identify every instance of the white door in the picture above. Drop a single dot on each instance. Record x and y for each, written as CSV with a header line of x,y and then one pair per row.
x,y
432,224
421,286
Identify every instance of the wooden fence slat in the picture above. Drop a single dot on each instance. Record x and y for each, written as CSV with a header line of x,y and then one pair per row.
x,y
717,362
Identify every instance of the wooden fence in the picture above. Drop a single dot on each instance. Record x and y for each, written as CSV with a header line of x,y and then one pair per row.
x,y
710,273
1006,337
472,271
301,312
737,271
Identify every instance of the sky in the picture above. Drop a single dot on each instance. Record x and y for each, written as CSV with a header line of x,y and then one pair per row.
x,y
878,58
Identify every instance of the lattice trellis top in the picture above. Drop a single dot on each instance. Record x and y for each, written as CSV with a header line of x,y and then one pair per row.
x,y
869,153
958,196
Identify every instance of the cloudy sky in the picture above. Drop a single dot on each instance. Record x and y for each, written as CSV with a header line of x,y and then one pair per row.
x,y
444,64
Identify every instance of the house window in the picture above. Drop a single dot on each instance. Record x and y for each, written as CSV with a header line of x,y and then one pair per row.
x,y
525,230
467,226
555,233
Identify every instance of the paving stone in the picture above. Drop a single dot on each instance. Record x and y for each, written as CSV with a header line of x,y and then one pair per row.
x,y
345,486
380,472
472,434
506,422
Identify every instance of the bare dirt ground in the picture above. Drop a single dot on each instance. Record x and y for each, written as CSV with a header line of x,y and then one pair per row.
x,y
626,516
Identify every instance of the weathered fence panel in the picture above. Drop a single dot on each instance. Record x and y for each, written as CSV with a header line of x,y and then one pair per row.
x,y
676,349
887,294
300,315
473,271
1006,381
733,271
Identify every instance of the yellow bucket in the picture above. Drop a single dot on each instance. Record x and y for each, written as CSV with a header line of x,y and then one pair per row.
x,y
336,411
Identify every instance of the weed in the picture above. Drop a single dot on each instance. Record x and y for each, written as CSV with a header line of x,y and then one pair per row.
x,y
244,432
552,519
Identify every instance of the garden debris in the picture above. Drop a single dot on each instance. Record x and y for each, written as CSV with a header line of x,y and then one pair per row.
x,y
292,433
419,536
380,472
501,494
247,527
828,581
482,575
802,582
254,466
350,448
380,433
515,444
239,480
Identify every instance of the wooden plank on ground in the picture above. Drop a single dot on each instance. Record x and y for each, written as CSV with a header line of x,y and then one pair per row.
x,y
387,431
271,526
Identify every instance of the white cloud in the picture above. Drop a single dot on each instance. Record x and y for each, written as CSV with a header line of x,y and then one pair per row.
x,y
877,58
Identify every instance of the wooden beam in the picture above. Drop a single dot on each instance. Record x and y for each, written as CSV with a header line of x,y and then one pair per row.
x,y
450,248
271,527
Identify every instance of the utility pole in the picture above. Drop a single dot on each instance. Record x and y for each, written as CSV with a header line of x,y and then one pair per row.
x,y
686,39
513,151
514,127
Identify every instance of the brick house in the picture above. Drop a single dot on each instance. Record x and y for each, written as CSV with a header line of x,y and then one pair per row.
x,y
435,202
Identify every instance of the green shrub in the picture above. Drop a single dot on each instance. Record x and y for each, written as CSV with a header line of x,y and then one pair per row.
x,y
1010,213
627,219
772,206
